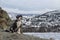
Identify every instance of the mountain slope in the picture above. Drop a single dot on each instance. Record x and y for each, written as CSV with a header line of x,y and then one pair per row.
x,y
4,19
47,22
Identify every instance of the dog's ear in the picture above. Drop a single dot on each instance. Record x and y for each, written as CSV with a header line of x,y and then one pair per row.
x,y
18,16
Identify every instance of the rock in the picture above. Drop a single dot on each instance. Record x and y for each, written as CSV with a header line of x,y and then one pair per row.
x,y
4,19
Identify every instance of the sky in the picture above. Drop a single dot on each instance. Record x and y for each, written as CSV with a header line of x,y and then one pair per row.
x,y
30,5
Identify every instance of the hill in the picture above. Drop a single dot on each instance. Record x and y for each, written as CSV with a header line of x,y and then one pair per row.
x,y
47,22
4,19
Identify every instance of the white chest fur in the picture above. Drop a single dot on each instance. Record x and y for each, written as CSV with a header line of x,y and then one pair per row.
x,y
19,23
18,26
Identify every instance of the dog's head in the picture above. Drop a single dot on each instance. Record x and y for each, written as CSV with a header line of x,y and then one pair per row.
x,y
19,17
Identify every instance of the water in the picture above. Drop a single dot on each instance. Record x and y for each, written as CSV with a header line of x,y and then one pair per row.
x,y
55,36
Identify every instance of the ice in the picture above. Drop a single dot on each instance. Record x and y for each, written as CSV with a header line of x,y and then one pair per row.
x,y
55,36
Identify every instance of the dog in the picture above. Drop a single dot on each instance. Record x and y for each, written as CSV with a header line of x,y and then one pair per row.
x,y
17,25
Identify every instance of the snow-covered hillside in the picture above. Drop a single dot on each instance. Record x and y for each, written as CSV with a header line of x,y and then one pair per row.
x,y
49,20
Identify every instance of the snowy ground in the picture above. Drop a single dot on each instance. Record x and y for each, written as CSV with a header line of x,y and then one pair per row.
x,y
55,36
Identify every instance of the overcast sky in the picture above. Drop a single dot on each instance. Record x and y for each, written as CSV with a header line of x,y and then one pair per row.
x,y
30,5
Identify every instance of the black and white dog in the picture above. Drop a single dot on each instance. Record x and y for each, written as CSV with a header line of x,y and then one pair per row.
x,y
17,25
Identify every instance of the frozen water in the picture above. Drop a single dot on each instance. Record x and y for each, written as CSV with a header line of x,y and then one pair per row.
x,y
55,36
